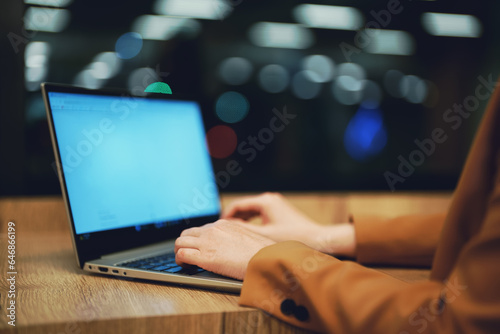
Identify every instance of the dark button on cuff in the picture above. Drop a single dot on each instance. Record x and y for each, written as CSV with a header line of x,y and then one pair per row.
x,y
288,307
301,313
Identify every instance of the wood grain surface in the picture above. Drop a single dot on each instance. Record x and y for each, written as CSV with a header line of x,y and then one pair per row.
x,y
54,296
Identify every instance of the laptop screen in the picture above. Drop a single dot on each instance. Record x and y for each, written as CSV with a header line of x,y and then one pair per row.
x,y
132,162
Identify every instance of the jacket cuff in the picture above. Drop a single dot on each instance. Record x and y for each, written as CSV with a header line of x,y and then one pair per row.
x,y
272,280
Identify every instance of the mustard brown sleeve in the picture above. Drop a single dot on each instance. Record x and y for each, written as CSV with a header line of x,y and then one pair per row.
x,y
289,279
318,292
407,240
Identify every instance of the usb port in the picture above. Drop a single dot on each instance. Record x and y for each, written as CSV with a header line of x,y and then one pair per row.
x,y
115,271
103,269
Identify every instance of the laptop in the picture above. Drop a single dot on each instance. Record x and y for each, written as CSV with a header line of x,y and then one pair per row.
x,y
134,173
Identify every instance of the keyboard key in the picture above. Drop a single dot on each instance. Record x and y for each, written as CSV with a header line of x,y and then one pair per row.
x,y
163,262
147,266
160,268
157,263
173,270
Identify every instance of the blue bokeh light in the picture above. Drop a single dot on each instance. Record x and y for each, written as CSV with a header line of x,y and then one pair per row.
x,y
365,135
128,45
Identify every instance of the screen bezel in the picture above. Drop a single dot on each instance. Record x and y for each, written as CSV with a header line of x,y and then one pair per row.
x,y
91,246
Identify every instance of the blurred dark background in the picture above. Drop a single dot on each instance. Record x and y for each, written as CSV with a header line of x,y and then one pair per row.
x,y
359,98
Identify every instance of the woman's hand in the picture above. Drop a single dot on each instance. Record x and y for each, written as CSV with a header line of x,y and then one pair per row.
x,y
281,221
224,247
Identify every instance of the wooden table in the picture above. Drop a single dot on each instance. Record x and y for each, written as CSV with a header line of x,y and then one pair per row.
x,y
54,296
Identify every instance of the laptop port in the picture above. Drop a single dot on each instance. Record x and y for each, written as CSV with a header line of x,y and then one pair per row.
x,y
115,271
103,269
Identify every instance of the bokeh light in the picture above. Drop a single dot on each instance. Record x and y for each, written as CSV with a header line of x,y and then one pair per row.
x,y
351,70
231,107
87,79
274,78
106,65
221,141
281,35
190,29
235,70
322,66
329,17
128,45
100,70
413,89
162,28
140,79
348,86
36,54
347,90
46,19
303,87
36,60
52,3
201,9
35,74
365,135
390,42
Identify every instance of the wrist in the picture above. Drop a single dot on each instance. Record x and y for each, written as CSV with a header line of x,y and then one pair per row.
x,y
337,240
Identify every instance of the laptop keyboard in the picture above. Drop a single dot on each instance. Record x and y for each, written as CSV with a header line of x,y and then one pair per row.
x,y
163,263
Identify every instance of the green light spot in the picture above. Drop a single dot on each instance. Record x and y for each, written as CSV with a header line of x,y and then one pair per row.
x,y
158,87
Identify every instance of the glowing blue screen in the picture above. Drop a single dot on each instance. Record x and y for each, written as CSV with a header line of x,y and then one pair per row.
x,y
132,161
